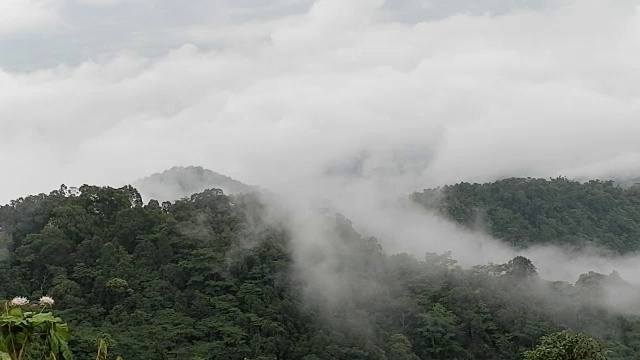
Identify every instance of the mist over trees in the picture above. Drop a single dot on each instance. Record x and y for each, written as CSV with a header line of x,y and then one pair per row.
x,y
180,182
213,276
526,212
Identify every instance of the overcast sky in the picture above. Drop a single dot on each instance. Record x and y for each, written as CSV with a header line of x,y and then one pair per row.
x,y
420,93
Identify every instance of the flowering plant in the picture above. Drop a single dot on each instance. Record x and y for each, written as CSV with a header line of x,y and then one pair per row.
x,y
27,331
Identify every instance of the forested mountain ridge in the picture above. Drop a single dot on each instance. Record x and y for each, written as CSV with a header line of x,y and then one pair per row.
x,y
209,277
525,212
179,182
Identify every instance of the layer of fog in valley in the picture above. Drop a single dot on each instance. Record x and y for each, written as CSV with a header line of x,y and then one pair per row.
x,y
377,208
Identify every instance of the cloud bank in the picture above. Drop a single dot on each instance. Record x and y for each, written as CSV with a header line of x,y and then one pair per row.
x,y
538,92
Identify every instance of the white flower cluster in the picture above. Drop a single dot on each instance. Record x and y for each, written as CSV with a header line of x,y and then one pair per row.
x,y
19,301
46,301
22,301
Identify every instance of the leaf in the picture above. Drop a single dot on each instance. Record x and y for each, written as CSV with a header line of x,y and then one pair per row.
x,y
62,330
5,356
20,338
54,341
66,352
16,311
3,345
44,317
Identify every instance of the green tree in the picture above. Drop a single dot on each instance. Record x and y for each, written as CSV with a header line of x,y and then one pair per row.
x,y
566,346
401,348
438,329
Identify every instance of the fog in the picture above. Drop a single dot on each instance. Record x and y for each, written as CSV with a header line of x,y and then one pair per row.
x,y
401,226
541,91
345,103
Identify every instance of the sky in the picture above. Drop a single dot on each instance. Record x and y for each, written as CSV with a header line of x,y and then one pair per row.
x,y
411,94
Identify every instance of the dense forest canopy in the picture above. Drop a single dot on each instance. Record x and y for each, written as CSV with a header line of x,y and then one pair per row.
x,y
526,211
211,277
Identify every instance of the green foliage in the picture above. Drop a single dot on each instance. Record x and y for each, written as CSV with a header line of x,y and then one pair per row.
x,y
4,242
400,348
23,334
526,212
566,346
211,277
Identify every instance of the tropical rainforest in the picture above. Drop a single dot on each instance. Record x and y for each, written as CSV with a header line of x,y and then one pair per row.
x,y
211,277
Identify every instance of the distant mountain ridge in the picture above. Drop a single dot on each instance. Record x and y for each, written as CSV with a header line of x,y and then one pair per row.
x,y
533,211
179,182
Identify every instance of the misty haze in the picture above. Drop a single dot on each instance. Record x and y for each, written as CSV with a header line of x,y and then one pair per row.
x,y
320,179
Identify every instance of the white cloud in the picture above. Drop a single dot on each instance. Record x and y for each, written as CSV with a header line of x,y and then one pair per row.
x,y
100,2
108,3
464,98
18,16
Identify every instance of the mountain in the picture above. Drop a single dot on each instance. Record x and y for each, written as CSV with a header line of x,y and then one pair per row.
x,y
215,277
179,182
528,212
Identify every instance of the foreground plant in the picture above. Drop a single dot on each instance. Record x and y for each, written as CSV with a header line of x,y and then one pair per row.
x,y
28,332
103,349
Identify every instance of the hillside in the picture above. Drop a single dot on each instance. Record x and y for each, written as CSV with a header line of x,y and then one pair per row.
x,y
180,182
526,212
210,277
4,242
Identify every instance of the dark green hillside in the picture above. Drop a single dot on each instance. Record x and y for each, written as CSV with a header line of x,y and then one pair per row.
x,y
526,212
177,281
